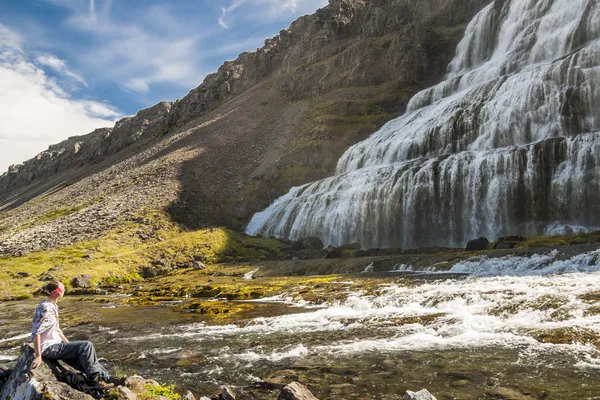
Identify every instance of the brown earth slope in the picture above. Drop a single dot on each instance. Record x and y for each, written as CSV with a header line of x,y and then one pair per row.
x,y
270,120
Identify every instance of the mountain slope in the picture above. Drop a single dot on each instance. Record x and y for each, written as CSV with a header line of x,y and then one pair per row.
x,y
270,120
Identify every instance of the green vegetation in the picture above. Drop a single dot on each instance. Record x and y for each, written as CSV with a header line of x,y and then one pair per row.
x,y
153,392
118,256
553,241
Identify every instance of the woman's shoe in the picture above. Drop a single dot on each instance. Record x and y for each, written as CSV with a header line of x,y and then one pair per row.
x,y
117,381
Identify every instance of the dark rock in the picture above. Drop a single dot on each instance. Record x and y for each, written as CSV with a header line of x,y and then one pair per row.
x,y
82,281
295,391
23,274
478,244
351,246
568,231
333,252
311,242
24,384
422,394
511,239
148,272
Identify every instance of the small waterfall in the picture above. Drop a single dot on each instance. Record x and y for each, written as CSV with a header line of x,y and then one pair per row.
x,y
506,144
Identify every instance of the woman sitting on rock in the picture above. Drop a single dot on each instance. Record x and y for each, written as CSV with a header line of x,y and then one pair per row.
x,y
50,342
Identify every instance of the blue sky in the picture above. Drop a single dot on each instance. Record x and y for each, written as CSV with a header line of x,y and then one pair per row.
x,y
69,66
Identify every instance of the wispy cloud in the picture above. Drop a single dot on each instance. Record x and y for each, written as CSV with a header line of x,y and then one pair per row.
x,y
59,66
35,109
152,51
269,10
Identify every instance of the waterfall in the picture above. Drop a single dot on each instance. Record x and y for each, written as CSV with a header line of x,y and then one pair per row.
x,y
508,143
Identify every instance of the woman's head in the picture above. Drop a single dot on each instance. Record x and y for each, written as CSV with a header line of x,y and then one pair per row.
x,y
54,289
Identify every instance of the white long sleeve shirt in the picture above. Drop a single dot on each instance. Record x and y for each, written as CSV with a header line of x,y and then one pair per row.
x,y
46,324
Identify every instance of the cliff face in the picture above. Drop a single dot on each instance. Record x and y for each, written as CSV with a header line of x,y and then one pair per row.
x,y
270,120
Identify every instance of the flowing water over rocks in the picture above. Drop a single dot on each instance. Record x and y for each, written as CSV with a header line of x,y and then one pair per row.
x,y
524,325
506,144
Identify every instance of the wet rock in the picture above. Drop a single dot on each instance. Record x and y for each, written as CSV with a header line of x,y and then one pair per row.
x,y
422,394
295,391
82,281
333,252
189,396
24,384
478,244
126,393
227,394
198,265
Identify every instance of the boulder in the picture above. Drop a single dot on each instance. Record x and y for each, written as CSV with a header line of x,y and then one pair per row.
x,y
422,394
504,245
295,391
478,244
82,281
24,384
333,252
148,272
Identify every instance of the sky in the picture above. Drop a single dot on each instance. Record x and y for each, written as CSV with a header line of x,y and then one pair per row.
x,y
68,67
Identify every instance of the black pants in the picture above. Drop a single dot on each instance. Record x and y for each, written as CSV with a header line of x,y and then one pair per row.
x,y
79,355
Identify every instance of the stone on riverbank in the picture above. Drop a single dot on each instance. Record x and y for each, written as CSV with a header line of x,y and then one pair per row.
x,y
24,384
296,391
478,244
422,394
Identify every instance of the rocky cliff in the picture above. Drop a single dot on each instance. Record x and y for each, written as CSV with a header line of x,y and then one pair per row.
x,y
272,119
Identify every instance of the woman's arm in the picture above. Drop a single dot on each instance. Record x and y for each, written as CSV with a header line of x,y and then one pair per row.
x,y
63,337
38,355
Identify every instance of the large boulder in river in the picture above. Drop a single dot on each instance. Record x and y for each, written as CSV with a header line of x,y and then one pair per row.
x,y
24,384
478,244
422,394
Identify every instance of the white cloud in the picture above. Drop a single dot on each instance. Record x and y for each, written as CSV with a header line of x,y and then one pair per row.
x,y
59,66
153,50
34,109
265,10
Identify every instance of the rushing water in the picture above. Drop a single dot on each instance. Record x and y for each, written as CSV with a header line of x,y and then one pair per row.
x,y
524,323
506,144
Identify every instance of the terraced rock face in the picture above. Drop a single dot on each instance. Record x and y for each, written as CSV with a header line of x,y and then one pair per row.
x,y
270,120
507,144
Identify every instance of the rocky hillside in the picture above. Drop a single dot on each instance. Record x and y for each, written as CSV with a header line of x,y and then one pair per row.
x,y
272,119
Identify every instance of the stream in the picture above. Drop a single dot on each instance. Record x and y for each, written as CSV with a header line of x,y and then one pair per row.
x,y
530,325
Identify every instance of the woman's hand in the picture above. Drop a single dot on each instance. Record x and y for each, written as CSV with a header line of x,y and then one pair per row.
x,y
36,362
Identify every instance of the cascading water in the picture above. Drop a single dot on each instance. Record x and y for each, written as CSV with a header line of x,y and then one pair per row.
x,y
508,143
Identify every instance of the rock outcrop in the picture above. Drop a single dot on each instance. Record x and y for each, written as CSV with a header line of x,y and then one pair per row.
x,y
274,118
24,384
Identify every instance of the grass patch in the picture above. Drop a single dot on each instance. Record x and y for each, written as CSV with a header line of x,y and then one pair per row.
x,y
152,239
560,240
